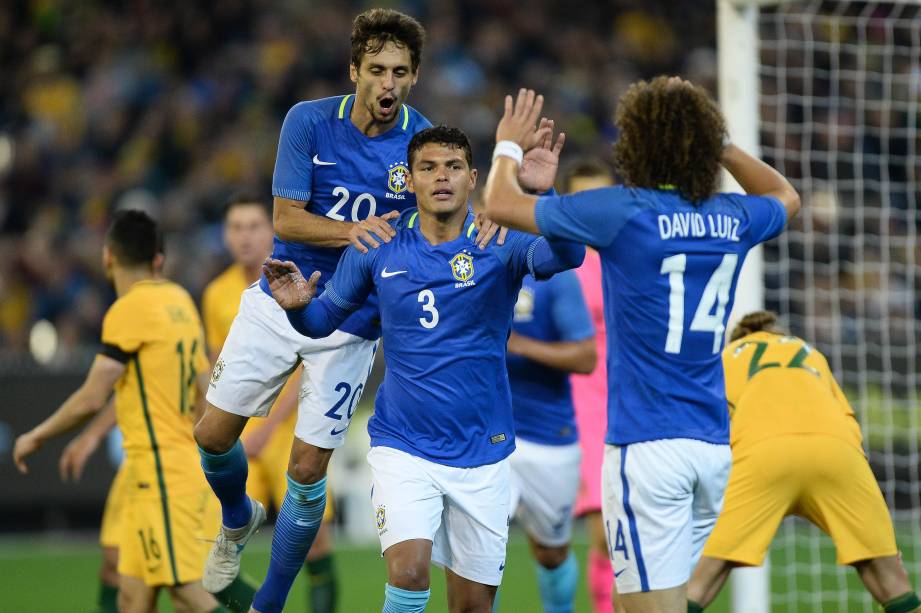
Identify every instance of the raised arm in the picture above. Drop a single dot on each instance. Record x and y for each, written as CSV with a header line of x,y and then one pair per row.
x,y
760,179
505,202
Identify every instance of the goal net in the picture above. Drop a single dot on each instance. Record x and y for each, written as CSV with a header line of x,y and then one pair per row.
x,y
840,84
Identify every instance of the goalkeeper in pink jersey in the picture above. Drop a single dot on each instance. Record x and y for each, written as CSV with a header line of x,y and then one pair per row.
x,y
590,396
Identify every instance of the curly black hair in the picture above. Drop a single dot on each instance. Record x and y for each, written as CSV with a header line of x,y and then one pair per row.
x,y
671,134
374,28
442,135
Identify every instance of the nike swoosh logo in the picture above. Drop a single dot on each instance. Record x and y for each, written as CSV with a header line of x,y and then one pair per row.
x,y
387,274
502,567
619,573
319,162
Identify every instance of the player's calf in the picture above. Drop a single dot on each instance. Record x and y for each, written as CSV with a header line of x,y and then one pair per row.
x,y
886,579
466,596
557,577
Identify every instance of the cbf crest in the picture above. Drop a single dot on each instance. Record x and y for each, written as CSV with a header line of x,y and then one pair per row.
x,y
396,180
524,307
462,269
381,518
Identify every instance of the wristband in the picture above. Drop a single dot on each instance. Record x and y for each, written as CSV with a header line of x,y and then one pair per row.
x,y
509,149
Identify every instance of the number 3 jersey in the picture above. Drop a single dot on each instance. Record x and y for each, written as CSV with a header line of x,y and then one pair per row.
x,y
669,273
154,329
344,175
446,311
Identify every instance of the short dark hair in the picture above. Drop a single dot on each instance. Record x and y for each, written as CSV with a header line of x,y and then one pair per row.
x,y
754,322
585,167
374,28
247,198
442,135
134,238
671,134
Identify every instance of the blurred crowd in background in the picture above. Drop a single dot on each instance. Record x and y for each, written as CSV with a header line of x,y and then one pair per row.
x,y
171,107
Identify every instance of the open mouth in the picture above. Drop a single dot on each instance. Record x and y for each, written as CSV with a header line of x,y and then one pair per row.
x,y
387,104
442,194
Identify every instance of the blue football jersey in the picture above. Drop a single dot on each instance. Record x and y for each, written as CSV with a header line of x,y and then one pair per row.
x,y
445,311
324,160
669,273
551,311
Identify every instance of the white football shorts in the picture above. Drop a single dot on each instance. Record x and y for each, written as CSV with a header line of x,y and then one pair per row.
x,y
660,501
545,483
463,511
261,352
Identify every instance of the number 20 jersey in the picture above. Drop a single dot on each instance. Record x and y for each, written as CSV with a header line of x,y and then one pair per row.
x,y
325,160
669,273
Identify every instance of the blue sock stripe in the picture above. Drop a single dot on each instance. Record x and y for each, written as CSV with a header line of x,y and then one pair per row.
x,y
631,520
398,600
558,585
295,530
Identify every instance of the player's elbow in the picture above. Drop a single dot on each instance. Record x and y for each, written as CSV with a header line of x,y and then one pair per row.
x,y
587,358
791,202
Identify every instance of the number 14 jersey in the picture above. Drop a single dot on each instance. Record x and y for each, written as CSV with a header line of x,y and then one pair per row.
x,y
325,160
669,273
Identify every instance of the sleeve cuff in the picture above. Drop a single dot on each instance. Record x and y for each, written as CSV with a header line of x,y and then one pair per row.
x,y
540,214
292,194
116,353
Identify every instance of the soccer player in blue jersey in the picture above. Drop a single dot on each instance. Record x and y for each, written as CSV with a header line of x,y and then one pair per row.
x,y
552,336
442,426
671,248
340,173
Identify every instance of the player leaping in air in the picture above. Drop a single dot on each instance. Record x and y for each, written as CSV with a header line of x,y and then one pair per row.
x,y
671,248
796,449
340,166
442,427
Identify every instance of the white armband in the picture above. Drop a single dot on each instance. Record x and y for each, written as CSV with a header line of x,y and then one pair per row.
x,y
509,149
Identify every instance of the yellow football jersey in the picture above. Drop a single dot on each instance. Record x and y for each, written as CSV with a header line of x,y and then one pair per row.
x,y
155,330
777,385
219,305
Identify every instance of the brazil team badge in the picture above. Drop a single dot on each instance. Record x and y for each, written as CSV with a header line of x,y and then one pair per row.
x,y
462,267
396,177
381,517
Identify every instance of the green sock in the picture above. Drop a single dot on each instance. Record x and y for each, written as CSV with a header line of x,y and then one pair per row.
x,y
107,601
906,603
323,585
693,607
238,596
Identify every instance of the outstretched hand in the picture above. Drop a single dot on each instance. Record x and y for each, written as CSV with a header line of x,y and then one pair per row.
x,y
288,286
542,159
519,122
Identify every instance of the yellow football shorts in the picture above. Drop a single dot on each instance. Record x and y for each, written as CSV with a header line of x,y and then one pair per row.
x,y
165,539
110,531
818,477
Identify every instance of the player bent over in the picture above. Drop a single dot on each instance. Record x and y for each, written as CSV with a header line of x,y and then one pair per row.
x,y
340,165
442,429
797,450
671,248
153,358
552,336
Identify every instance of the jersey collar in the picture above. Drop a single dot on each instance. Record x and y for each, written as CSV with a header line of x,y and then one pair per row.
x,y
466,233
345,110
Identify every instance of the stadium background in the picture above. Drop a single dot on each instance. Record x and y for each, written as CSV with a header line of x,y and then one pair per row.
x,y
170,107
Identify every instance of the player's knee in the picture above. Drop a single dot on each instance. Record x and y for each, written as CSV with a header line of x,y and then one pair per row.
x,y
308,463
212,438
411,577
551,557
